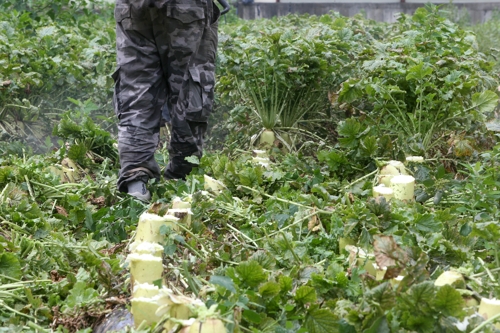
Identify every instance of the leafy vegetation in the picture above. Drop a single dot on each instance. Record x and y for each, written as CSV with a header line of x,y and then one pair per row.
x,y
425,81
266,251
51,51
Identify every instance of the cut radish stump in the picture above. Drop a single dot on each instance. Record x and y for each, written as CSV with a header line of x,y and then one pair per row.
x,y
146,290
153,249
403,187
344,242
383,191
452,278
207,326
260,153
213,185
360,258
148,229
391,169
263,161
415,159
489,308
145,308
396,281
183,214
178,203
145,268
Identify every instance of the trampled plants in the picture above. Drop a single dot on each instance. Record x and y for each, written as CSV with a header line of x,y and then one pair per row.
x,y
267,251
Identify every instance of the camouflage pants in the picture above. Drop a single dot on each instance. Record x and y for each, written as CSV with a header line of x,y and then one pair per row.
x,y
165,53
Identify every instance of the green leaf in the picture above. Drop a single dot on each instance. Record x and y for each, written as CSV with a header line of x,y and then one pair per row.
x,y
417,271
369,145
372,65
334,159
321,321
485,101
89,221
46,31
348,131
419,323
48,143
67,128
465,230
427,223
223,281
269,289
265,259
80,295
10,266
383,296
379,326
345,327
486,230
193,159
350,92
419,296
77,152
251,273
5,173
250,177
286,283
449,301
419,72
251,316
305,294
158,283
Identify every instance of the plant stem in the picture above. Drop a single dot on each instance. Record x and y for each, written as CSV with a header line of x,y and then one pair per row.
x,y
197,240
13,225
360,179
17,106
30,189
9,295
295,256
483,324
492,278
285,201
19,283
303,132
483,273
288,226
3,192
191,282
37,327
243,235
2,304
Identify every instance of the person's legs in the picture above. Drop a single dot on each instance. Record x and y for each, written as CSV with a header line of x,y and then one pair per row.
x,y
190,92
139,93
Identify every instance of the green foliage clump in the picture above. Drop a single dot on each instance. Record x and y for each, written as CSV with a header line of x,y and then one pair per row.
x,y
422,84
283,70
52,51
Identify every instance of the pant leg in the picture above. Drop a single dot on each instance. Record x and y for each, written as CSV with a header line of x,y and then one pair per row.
x,y
189,120
139,92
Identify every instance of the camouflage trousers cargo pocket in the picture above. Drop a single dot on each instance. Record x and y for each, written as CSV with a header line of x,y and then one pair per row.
x,y
201,92
116,89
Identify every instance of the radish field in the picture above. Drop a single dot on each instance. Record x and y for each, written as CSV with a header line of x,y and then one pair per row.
x,y
289,229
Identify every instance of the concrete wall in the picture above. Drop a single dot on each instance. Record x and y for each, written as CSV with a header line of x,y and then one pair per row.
x,y
386,12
